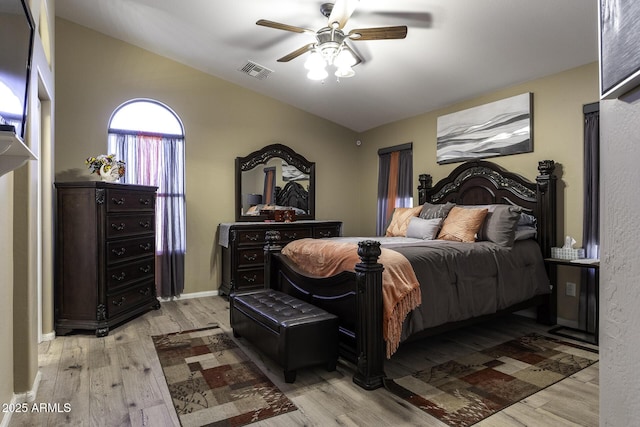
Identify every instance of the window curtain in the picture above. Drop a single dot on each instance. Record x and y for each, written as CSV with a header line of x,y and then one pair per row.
x,y
395,183
591,231
269,186
159,161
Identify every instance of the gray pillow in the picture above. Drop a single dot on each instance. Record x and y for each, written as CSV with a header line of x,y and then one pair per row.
x,y
500,224
425,229
431,211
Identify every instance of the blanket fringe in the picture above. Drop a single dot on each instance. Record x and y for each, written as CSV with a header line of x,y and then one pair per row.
x,y
394,324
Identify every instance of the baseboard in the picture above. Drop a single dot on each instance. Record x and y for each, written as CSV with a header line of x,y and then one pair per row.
x,y
50,336
30,395
190,296
6,418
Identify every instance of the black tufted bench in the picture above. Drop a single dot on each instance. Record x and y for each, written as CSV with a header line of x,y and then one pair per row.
x,y
292,332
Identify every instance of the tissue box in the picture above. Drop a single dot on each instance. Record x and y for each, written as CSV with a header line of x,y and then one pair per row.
x,y
567,253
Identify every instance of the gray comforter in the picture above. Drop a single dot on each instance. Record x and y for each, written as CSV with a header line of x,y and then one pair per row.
x,y
464,280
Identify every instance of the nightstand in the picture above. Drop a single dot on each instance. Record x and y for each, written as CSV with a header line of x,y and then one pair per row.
x,y
552,268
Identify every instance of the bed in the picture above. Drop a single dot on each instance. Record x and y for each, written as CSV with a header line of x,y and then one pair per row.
x,y
356,297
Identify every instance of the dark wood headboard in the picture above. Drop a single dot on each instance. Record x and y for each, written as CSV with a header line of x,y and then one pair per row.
x,y
481,182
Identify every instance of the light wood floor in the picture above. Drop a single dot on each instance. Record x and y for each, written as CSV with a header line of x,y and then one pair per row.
x,y
117,380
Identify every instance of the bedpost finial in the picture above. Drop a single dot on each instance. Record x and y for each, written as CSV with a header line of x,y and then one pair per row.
x,y
369,251
546,167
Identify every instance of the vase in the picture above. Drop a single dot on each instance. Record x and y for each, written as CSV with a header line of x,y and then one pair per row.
x,y
110,175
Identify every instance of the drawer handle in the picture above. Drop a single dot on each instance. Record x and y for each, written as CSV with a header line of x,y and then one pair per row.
x,y
119,201
146,291
120,277
144,201
291,236
119,303
145,247
325,233
146,224
252,237
118,227
250,279
119,252
252,257
145,269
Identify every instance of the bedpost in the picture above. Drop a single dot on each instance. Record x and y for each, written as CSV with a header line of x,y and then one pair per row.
x,y
426,183
546,194
546,205
272,246
369,342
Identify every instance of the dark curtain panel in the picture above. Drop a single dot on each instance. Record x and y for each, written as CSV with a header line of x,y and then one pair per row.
x,y
159,161
383,187
591,232
395,184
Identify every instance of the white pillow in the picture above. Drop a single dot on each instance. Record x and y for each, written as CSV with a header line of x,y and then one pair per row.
x,y
425,229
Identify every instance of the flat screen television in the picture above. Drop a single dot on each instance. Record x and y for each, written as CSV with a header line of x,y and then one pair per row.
x,y
16,49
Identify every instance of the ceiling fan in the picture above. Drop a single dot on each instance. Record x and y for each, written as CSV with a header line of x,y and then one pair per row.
x,y
330,47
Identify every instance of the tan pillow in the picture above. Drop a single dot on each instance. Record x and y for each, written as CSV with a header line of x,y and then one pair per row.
x,y
400,221
462,225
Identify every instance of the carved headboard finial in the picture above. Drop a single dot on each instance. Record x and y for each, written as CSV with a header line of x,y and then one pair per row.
x,y
546,167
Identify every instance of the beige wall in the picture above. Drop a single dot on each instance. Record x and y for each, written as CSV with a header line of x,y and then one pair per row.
x,y
6,288
21,237
557,135
95,74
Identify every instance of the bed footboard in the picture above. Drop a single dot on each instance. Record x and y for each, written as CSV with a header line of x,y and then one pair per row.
x,y
356,298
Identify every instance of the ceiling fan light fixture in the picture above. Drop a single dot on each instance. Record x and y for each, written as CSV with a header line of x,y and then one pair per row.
x,y
344,59
345,72
315,61
317,74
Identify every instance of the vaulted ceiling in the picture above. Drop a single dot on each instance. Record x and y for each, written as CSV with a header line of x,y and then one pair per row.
x,y
454,49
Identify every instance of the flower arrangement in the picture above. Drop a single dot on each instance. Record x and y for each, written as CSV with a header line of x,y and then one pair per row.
x,y
108,161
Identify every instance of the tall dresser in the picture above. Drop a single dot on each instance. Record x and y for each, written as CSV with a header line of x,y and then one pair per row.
x,y
105,254
243,248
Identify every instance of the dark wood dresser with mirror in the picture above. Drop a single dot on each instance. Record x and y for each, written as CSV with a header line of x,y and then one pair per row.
x,y
272,178
105,254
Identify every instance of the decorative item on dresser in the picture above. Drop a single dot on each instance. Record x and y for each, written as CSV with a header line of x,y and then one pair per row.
x,y
105,254
243,254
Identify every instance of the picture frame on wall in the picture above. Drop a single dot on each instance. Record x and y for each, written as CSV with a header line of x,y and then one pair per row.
x,y
619,47
498,128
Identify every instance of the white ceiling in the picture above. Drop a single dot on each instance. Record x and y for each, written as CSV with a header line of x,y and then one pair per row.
x,y
454,49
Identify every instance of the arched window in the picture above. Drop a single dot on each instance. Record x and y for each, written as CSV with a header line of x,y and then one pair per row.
x,y
149,137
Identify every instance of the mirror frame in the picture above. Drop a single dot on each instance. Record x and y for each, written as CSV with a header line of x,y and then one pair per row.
x,y
261,157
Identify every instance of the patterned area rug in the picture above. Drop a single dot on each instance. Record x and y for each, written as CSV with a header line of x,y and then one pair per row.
x,y
464,391
213,383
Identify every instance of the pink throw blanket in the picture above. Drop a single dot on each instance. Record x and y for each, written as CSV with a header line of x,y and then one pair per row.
x,y
400,287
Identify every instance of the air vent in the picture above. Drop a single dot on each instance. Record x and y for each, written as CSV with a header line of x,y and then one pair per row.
x,y
256,70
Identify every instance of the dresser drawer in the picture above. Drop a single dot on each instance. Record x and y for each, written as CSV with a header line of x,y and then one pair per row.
x,y
290,234
250,256
121,302
124,274
329,231
252,237
250,278
129,249
125,200
129,225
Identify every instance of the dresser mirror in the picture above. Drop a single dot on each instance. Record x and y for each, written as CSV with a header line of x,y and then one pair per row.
x,y
275,177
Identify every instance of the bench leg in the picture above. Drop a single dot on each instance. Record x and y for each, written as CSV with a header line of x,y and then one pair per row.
x,y
289,376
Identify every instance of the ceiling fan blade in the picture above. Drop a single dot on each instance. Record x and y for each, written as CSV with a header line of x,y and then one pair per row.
x,y
285,27
380,33
342,11
297,53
